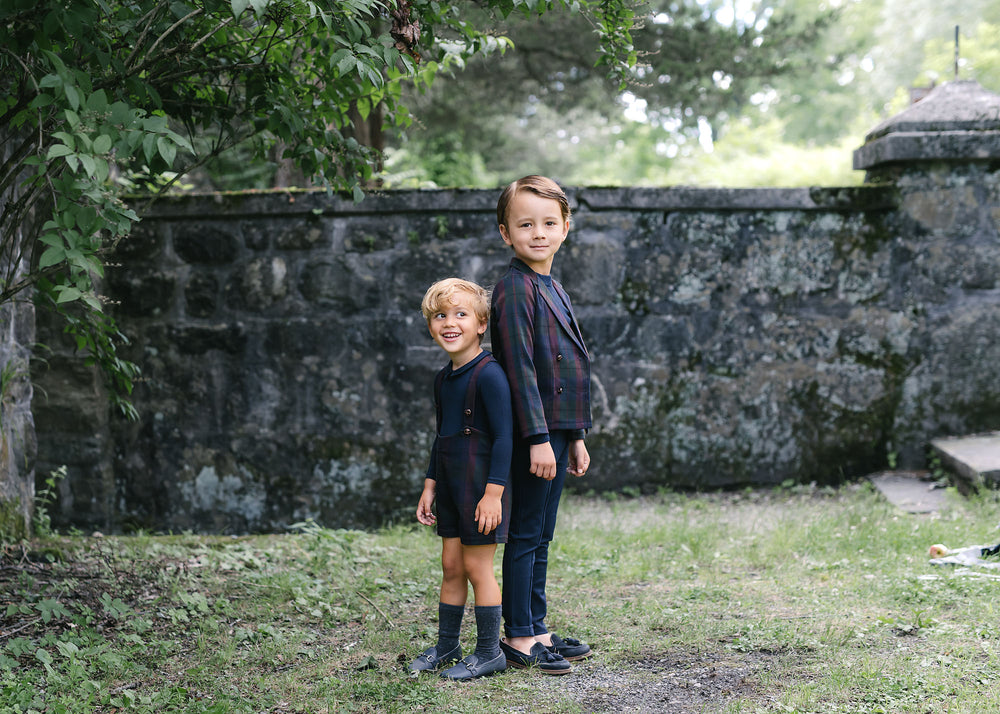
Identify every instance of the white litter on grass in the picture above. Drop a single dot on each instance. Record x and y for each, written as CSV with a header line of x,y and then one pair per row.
x,y
966,572
969,556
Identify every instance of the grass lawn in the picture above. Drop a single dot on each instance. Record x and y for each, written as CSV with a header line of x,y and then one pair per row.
x,y
803,600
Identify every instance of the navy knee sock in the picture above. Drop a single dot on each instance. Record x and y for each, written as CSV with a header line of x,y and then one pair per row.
x,y
487,631
449,626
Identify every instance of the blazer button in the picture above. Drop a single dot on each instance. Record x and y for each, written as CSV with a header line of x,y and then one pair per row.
x,y
558,358
466,431
468,412
559,390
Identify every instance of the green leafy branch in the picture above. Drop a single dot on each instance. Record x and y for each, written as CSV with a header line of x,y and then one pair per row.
x,y
100,98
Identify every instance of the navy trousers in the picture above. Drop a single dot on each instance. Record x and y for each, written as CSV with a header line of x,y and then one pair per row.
x,y
535,503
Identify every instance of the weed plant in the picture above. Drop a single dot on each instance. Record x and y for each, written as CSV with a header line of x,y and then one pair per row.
x,y
794,600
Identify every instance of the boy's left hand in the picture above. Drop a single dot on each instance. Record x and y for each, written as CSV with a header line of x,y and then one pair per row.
x,y
579,458
488,514
489,510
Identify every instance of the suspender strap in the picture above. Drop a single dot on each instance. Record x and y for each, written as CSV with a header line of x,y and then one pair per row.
x,y
438,382
469,412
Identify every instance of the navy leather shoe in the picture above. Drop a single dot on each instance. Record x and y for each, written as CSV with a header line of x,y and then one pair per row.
x,y
544,661
571,649
430,660
472,667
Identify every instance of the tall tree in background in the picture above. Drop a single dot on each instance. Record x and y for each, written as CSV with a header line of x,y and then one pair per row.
x,y
692,69
796,80
979,56
906,26
879,50
103,96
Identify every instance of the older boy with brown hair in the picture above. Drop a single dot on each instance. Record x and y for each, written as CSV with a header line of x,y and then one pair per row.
x,y
536,338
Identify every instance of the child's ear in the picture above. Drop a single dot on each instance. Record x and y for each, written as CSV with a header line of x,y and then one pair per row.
x,y
482,328
503,234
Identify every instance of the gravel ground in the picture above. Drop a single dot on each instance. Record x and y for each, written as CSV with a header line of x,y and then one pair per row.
x,y
677,683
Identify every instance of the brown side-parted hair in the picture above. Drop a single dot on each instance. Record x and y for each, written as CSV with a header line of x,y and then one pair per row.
x,y
538,185
443,293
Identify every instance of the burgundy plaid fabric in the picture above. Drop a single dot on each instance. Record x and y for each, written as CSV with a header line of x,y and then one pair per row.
x,y
544,356
462,470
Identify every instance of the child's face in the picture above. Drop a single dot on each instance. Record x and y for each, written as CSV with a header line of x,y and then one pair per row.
x,y
457,329
535,229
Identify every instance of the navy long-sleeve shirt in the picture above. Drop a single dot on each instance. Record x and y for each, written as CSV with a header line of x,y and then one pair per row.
x,y
493,414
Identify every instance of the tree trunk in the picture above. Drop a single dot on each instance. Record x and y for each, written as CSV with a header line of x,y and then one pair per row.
x,y
367,132
17,425
288,174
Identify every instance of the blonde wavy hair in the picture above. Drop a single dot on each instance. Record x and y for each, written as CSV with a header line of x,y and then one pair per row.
x,y
443,293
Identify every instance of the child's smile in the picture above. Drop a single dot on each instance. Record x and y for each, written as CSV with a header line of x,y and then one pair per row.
x,y
535,229
456,329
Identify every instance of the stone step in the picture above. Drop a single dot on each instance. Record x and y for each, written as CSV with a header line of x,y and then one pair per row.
x,y
974,460
910,491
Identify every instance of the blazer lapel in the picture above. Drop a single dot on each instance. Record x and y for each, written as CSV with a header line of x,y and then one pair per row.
x,y
572,330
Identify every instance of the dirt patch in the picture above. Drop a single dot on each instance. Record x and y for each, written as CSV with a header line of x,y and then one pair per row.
x,y
681,683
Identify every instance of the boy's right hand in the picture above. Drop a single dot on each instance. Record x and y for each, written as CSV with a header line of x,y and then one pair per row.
x,y
424,513
543,461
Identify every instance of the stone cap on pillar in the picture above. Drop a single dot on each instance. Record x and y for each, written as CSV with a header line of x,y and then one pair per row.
x,y
957,121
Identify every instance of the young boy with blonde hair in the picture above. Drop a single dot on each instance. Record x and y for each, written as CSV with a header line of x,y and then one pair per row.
x,y
467,477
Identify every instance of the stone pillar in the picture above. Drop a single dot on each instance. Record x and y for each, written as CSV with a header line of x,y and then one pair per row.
x,y
942,155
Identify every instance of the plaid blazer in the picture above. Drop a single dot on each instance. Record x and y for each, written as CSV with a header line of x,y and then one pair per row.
x,y
544,356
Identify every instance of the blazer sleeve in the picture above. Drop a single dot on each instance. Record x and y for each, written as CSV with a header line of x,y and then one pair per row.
x,y
513,341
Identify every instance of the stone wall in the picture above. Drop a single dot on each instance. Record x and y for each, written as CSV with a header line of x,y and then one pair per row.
x,y
738,337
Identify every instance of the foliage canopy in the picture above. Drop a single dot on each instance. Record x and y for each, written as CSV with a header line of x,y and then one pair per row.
x,y
762,92
106,96
691,70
